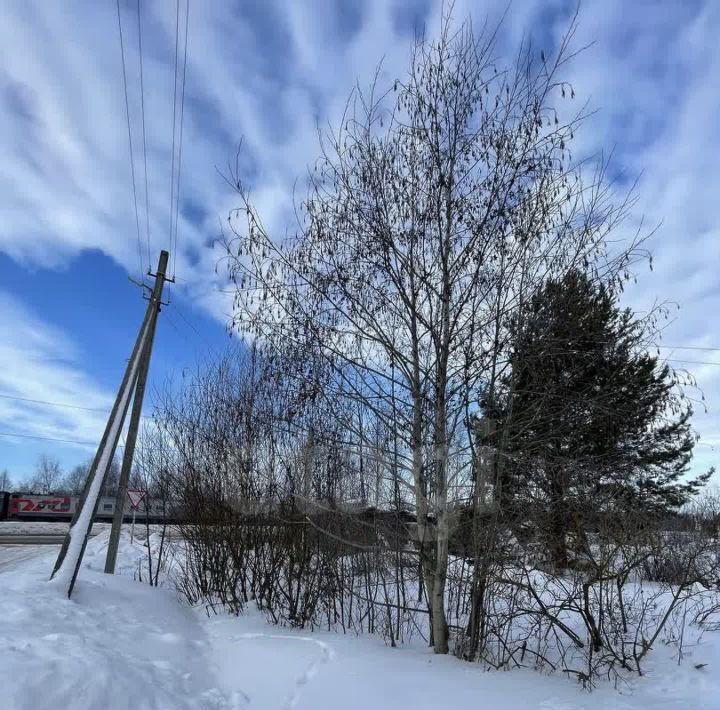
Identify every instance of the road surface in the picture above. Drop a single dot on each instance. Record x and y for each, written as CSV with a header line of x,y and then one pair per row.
x,y
19,548
49,539
13,556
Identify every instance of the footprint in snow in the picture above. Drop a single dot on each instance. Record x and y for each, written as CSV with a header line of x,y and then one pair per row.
x,y
326,654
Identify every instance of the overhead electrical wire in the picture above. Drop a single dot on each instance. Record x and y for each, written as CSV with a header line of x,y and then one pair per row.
x,y
51,438
142,110
189,323
182,117
687,347
176,328
178,121
175,174
691,362
56,404
174,122
127,116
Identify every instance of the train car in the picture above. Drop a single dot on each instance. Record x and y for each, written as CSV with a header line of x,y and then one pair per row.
x,y
29,506
155,510
4,503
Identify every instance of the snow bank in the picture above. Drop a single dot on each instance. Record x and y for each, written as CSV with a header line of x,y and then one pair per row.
x,y
281,669
116,644
132,558
122,645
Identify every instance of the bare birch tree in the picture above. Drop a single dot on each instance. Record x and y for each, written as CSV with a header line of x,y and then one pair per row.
x,y
434,211
47,477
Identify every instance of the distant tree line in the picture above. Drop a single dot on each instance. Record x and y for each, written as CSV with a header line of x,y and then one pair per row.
x,y
48,477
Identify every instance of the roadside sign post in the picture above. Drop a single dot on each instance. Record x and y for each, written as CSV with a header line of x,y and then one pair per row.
x,y
136,497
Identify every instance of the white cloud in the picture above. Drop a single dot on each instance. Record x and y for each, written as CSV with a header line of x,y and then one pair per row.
x,y
270,72
39,362
653,76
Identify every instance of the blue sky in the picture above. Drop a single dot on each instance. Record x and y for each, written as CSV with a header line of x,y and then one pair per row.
x,y
269,72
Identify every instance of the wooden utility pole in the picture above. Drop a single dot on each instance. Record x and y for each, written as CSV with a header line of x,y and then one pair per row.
x,y
144,366
73,547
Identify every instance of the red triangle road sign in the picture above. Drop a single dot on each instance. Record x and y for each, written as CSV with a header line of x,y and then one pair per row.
x,y
136,498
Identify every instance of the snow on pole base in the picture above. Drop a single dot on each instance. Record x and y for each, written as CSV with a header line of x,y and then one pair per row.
x,y
70,557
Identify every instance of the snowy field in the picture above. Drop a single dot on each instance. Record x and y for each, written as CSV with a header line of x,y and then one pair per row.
x,y
120,644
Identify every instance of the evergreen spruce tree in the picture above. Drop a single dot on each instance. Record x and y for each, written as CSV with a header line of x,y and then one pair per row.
x,y
593,424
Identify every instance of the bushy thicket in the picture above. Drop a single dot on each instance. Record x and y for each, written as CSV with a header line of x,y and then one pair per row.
x,y
312,560
439,339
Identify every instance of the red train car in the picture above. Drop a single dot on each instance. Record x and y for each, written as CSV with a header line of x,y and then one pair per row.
x,y
46,507
29,506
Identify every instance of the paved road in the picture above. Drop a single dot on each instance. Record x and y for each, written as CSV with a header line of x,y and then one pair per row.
x,y
13,556
49,539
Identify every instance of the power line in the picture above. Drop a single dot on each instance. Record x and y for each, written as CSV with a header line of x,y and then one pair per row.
x,y
50,438
649,347
692,362
53,404
127,115
58,404
182,116
175,326
200,339
687,347
174,123
142,108
189,323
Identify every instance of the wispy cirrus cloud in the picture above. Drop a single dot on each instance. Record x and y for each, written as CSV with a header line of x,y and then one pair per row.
x,y
39,362
652,74
272,72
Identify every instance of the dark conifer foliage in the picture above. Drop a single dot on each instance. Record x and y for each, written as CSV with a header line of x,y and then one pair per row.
x,y
595,424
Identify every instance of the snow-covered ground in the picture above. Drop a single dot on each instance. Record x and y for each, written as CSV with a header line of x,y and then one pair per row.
x,y
121,644
30,527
